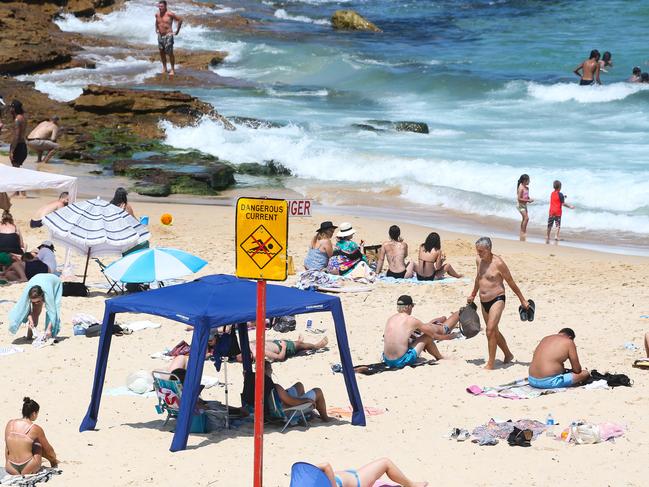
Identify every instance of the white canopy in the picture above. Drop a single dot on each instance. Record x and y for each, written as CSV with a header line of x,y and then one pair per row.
x,y
19,179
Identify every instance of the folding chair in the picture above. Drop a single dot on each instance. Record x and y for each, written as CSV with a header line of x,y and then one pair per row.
x,y
115,286
288,414
168,390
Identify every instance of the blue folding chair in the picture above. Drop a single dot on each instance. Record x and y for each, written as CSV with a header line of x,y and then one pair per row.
x,y
306,475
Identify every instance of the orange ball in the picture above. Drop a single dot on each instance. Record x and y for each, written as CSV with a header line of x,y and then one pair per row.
x,y
166,219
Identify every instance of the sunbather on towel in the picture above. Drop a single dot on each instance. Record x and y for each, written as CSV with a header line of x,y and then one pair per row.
x,y
368,474
280,350
547,371
398,349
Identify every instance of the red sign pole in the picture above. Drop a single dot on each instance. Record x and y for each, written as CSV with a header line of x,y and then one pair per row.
x,y
259,383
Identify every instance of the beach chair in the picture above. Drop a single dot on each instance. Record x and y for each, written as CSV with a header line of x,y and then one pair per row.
x,y
115,286
306,475
288,414
168,389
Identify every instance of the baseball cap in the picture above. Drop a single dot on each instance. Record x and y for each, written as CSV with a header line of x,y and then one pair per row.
x,y
404,300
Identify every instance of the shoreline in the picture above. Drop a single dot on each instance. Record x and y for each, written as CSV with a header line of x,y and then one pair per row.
x,y
402,211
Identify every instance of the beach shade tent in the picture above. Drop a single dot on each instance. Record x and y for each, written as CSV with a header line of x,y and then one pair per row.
x,y
19,179
154,264
211,302
94,228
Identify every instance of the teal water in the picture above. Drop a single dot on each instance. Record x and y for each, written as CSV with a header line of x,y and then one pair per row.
x,y
493,81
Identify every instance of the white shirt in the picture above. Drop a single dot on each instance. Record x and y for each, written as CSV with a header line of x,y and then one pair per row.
x,y
47,256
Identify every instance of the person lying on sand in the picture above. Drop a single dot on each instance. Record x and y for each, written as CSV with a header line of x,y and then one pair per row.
x,y
546,370
280,350
398,349
37,219
368,474
395,251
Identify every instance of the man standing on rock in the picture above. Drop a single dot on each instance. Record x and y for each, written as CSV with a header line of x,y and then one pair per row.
x,y
164,20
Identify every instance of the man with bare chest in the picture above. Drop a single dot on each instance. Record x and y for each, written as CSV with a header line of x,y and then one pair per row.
x,y
590,69
490,282
164,20
395,252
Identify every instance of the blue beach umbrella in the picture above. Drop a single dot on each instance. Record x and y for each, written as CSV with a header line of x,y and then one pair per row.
x,y
155,264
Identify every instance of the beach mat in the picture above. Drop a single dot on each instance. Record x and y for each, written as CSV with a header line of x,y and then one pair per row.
x,y
414,280
379,367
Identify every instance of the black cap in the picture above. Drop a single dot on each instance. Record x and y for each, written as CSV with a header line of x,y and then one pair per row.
x,y
326,226
404,300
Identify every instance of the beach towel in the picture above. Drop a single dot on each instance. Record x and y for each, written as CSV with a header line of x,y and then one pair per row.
x,y
379,367
346,412
10,350
518,389
43,475
125,391
142,325
345,289
414,280
53,290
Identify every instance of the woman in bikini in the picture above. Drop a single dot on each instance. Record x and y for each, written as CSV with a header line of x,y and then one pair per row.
x,y
26,444
120,200
432,263
321,248
523,198
368,474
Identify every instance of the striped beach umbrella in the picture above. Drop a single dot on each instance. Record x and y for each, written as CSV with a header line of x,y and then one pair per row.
x,y
94,228
155,264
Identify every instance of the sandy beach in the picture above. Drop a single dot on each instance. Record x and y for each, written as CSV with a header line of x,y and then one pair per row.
x,y
601,296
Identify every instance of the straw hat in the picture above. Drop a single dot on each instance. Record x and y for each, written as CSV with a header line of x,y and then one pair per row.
x,y
345,230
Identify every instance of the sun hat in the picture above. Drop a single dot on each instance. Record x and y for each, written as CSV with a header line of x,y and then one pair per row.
x,y
404,300
345,230
325,226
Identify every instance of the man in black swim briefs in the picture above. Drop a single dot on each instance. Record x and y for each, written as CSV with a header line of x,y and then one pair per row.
x,y
490,282
589,70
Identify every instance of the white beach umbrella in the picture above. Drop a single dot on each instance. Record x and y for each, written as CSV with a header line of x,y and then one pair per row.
x,y
156,264
94,228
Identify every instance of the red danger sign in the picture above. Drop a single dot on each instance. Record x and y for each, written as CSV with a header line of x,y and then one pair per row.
x,y
299,207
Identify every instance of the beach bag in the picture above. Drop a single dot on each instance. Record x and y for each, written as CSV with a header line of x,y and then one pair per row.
x,y
75,289
585,434
284,324
469,320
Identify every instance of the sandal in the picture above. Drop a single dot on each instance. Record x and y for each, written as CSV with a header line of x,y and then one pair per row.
x,y
519,437
531,310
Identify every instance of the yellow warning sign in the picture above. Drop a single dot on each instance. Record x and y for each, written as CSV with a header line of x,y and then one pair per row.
x,y
261,238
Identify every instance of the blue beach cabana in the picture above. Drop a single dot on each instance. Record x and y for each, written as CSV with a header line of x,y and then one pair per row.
x,y
212,302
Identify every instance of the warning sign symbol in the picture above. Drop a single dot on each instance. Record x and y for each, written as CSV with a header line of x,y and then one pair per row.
x,y
261,246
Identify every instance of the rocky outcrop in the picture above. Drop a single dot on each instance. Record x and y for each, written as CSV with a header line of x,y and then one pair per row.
x,y
351,20
401,126
190,173
269,168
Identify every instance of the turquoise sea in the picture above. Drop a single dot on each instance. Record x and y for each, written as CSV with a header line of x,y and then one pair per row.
x,y
492,79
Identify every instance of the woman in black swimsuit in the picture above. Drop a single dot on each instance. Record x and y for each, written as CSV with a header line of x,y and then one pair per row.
x,y
432,260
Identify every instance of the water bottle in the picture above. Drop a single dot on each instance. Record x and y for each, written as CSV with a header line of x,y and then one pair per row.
x,y
309,325
549,421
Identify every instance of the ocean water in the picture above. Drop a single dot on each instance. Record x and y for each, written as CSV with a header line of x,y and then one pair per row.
x,y
492,79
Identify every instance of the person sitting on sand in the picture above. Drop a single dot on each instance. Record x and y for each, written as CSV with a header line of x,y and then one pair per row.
x,y
347,253
280,350
42,290
297,394
37,219
24,269
11,240
635,75
120,200
367,475
546,370
321,248
398,348
432,260
396,251
590,70
43,139
26,443
492,273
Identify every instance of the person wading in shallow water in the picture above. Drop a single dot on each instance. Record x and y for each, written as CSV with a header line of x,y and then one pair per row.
x,y
164,20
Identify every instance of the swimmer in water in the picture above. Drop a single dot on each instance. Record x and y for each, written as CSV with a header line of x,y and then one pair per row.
x,y
635,75
589,70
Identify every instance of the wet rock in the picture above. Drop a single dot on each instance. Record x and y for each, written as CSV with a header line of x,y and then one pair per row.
x,y
400,126
369,128
148,188
351,20
269,168
256,123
